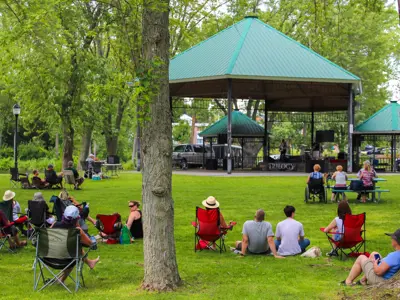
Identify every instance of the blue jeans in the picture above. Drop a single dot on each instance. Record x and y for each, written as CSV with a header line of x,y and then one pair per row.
x,y
303,244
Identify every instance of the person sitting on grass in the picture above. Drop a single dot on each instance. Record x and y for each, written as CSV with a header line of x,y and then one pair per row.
x,y
367,175
340,178
376,269
134,221
290,235
78,180
52,177
38,182
70,220
337,224
258,237
7,228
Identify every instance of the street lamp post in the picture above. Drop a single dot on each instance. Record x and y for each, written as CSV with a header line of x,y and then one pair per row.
x,y
16,112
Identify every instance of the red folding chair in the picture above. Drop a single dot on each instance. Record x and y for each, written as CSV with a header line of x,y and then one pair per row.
x,y
353,236
110,226
207,230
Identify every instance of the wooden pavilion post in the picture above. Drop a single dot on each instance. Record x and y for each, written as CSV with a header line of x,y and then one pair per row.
x,y
394,153
350,131
265,150
229,130
312,130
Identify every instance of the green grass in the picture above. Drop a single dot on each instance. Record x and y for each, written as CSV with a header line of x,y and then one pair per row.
x,y
209,275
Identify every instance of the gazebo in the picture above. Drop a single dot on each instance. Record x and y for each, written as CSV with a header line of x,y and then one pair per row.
x,y
252,60
382,126
245,132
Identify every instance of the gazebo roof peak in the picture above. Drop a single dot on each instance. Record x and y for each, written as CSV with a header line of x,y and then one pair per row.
x,y
251,49
385,120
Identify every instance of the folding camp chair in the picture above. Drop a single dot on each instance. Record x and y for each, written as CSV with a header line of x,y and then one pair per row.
x,y
58,249
110,226
51,180
353,236
208,230
60,205
315,188
6,207
16,177
37,211
69,178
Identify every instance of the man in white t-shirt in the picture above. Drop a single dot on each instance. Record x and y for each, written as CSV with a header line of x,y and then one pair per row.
x,y
290,235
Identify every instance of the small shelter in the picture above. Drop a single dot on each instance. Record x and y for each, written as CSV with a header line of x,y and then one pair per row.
x,y
384,125
245,132
252,60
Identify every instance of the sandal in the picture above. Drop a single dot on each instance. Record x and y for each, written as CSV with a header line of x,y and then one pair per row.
x,y
345,284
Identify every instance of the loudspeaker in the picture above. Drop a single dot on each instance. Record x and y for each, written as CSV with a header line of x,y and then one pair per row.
x,y
113,159
222,139
323,136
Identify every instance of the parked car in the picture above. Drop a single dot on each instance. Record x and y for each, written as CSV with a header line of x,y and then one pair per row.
x,y
190,155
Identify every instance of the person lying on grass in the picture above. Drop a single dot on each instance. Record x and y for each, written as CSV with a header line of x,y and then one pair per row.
x,y
375,268
290,235
337,224
70,220
258,237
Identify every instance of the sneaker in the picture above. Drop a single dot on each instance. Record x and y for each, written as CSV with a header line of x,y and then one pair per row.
x,y
332,253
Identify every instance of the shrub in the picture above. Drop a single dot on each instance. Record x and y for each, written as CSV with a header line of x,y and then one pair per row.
x,y
128,165
32,150
6,152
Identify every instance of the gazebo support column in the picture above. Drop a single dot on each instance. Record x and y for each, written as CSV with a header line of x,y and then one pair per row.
x,y
394,153
350,131
265,150
229,131
312,130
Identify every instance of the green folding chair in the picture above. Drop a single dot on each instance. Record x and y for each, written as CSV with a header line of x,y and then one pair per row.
x,y
58,249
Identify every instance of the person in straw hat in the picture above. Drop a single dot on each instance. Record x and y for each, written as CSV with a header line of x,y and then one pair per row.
x,y
212,203
7,227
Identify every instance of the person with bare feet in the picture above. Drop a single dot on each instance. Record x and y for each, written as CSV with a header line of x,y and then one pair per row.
x,y
70,220
375,268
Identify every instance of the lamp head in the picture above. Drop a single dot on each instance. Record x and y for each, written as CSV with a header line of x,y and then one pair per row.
x,y
16,109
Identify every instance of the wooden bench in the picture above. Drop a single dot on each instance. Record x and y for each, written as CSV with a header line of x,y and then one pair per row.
x,y
377,191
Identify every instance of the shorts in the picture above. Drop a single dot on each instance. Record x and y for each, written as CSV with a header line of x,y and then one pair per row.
x,y
239,247
368,269
11,230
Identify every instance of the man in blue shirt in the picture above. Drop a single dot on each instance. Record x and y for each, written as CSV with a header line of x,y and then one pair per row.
x,y
377,270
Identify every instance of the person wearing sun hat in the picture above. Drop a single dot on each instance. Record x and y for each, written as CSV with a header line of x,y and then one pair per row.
x,y
70,219
9,228
375,268
212,203
16,211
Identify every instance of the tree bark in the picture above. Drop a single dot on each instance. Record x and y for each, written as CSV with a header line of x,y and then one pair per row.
x,y
111,131
85,146
160,266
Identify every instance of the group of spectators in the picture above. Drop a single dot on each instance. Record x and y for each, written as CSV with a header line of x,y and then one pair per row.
x,y
289,239
74,216
52,178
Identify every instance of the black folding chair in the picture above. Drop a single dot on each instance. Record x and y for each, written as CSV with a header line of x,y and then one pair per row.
x,y
58,249
37,211
16,177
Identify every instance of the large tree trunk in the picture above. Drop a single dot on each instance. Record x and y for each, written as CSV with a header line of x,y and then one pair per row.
x,y
112,132
85,146
160,266
68,140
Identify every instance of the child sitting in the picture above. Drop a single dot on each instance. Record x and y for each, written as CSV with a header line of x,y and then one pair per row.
x,y
340,178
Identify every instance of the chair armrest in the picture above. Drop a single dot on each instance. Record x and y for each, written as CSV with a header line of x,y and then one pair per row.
x,y
194,224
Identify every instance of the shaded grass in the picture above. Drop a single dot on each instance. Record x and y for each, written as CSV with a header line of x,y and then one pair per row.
x,y
207,274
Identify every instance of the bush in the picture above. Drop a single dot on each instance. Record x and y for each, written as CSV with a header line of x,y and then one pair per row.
x,y
128,166
32,150
6,152
30,165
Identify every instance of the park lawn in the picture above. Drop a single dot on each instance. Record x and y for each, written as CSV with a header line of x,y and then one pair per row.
x,y
210,275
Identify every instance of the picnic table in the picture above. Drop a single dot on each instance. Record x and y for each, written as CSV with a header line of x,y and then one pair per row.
x,y
375,189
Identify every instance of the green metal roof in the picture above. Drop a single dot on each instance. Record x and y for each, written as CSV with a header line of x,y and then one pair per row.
x,y
251,49
384,120
242,126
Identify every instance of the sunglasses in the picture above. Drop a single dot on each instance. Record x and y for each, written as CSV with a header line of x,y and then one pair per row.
x,y
131,206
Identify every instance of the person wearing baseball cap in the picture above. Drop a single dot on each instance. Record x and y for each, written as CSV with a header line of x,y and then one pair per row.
x,y
375,268
70,219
